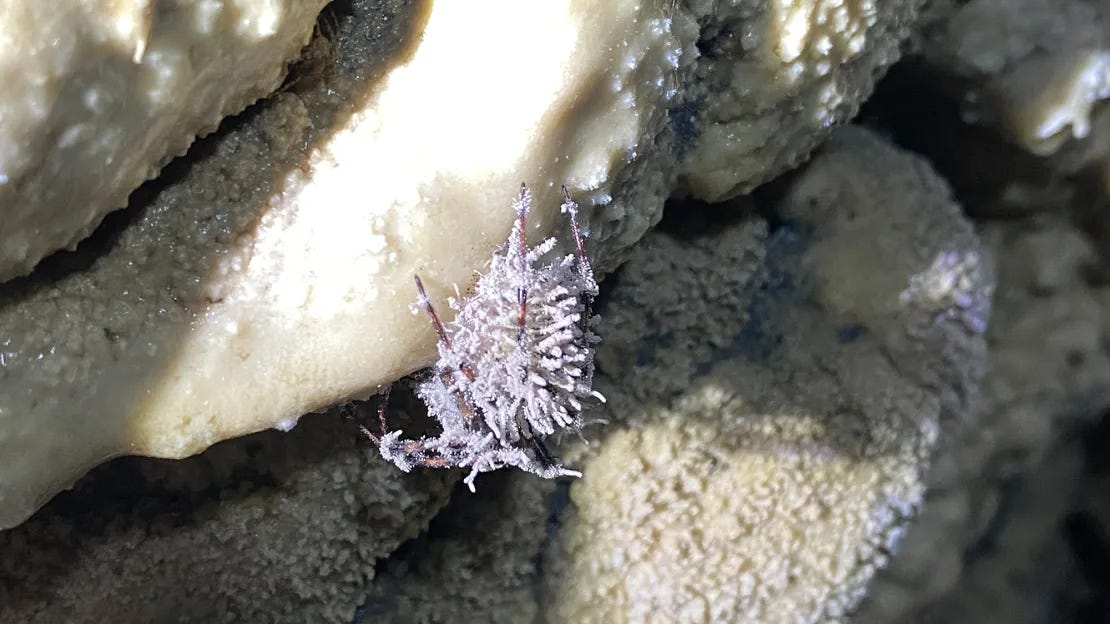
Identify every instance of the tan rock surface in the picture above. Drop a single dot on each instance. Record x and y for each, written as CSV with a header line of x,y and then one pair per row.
x,y
99,95
765,444
786,73
769,475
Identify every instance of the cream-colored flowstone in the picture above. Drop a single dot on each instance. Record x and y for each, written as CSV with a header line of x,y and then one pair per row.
x,y
263,286
314,303
98,95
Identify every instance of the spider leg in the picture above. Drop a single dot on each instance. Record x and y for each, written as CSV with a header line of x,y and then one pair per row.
x,y
441,331
542,454
427,305
366,432
571,208
348,413
445,340
522,290
522,205
382,404
415,450
408,453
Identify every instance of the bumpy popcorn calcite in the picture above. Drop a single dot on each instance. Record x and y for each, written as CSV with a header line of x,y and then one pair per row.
x,y
277,528
99,95
1007,475
768,439
774,77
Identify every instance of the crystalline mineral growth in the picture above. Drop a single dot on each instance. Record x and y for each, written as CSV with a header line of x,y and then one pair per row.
x,y
514,366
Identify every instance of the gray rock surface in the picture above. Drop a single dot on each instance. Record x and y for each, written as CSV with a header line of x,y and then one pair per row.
x,y
989,544
1033,69
276,527
766,445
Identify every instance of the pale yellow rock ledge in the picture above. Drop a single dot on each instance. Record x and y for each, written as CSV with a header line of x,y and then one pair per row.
x,y
262,285
98,95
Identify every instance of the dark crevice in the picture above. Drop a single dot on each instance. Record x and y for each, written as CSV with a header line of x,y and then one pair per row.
x,y
691,219
1086,530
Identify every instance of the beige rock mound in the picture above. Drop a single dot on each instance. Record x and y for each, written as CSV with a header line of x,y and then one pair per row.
x,y
770,474
99,95
273,276
987,545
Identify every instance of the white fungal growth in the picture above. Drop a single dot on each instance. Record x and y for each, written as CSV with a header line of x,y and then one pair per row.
x,y
516,364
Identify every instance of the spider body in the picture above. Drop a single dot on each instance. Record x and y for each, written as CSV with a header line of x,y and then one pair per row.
x,y
516,364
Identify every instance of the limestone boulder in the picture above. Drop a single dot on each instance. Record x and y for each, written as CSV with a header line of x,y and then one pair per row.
x,y
99,95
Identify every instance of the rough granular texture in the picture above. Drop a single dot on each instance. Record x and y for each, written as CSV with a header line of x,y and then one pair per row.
x,y
478,561
989,545
277,527
933,293
769,481
774,78
1033,69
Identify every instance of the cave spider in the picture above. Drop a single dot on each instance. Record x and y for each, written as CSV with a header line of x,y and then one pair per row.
x,y
515,365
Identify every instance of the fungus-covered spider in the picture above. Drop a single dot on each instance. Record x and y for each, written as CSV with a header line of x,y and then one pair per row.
x,y
515,366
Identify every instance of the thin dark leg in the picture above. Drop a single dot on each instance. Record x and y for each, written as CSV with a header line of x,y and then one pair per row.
x,y
441,331
522,291
427,305
571,208
542,454
382,404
